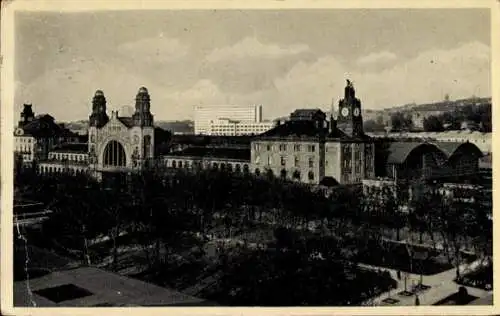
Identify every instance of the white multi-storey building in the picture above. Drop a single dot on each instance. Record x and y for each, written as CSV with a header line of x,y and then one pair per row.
x,y
204,115
227,127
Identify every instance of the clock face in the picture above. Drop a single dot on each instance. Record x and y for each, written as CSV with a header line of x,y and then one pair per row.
x,y
356,112
345,111
19,131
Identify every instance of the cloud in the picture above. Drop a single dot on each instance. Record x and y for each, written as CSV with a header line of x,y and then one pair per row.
x,y
459,72
67,93
157,48
375,58
251,47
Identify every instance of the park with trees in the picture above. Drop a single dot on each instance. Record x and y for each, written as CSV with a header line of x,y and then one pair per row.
x,y
253,240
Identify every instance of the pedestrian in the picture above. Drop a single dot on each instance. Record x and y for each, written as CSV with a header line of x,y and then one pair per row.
x,y
417,301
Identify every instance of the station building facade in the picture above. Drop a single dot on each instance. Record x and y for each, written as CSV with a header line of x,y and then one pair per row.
x,y
307,148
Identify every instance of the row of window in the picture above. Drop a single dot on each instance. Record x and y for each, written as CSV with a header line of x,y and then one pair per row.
x,y
25,149
70,157
237,168
25,140
283,161
284,147
296,161
196,164
53,169
248,129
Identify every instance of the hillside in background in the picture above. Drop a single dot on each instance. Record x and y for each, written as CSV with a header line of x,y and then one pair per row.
x,y
177,127
445,105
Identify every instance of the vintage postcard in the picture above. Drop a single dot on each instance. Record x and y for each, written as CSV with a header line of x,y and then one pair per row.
x,y
263,157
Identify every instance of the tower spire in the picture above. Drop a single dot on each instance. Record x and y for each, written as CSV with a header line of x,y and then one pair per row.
x,y
98,117
142,115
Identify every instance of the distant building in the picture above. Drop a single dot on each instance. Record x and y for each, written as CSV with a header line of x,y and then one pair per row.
x,y
204,115
309,149
469,126
115,144
418,117
35,136
306,148
228,127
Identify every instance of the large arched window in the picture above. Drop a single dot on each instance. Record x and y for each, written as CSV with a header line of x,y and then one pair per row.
x,y
114,154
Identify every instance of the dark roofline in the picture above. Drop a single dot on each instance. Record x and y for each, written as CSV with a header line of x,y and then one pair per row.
x,y
451,148
126,120
402,150
71,148
178,155
213,153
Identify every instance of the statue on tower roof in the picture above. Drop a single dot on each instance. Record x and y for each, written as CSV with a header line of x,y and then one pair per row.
x,y
349,83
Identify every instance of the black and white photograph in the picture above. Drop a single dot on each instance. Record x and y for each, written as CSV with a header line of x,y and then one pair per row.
x,y
251,157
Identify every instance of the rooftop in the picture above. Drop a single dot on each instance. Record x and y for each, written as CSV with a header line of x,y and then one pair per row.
x,y
450,148
127,121
399,151
214,152
88,287
307,129
42,126
77,148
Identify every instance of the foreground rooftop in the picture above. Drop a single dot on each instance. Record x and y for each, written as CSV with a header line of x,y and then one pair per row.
x,y
92,287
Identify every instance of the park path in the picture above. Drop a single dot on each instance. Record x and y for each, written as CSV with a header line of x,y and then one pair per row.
x,y
442,285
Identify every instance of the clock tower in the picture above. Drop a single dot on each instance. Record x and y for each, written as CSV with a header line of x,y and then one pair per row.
x,y
349,119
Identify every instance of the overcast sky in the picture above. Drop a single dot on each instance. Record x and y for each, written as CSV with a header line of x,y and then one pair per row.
x,y
283,59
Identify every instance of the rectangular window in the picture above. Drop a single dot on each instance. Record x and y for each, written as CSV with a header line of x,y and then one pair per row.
x,y
283,161
296,162
357,166
311,175
296,147
311,148
311,162
268,147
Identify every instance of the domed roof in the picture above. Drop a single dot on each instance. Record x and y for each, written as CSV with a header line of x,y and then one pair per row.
x,y
99,93
143,90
